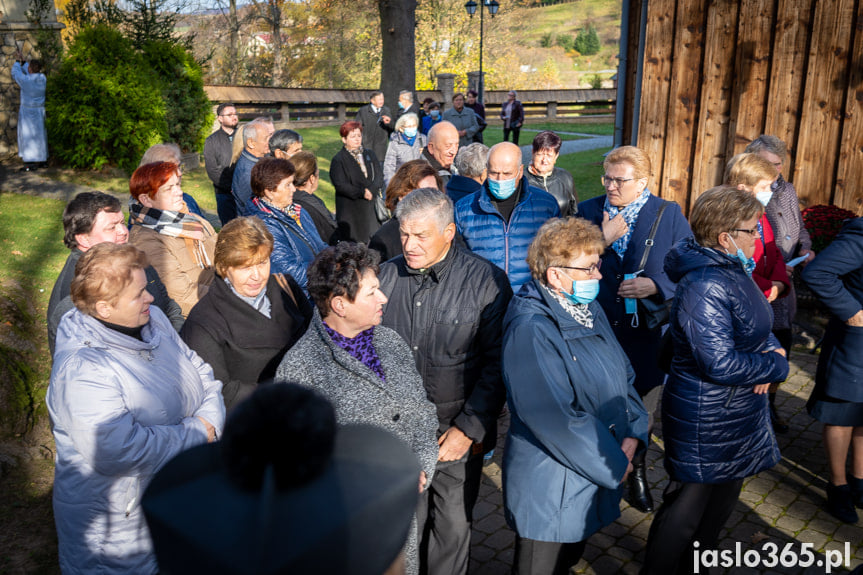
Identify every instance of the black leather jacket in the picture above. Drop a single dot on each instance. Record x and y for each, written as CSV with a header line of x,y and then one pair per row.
x,y
558,184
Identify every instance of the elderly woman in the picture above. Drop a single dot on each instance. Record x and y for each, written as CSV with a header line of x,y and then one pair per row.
x,y
357,179
406,144
249,318
715,416
366,370
632,285
306,180
755,174
836,276
178,244
410,176
542,174
471,162
296,240
576,419
126,395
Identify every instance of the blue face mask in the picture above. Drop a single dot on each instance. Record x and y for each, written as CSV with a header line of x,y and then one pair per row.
x,y
410,132
747,263
435,114
401,106
583,291
764,197
501,189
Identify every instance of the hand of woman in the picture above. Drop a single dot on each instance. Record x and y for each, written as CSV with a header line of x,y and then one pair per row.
x,y
423,481
639,287
855,320
211,431
368,195
614,228
761,389
773,294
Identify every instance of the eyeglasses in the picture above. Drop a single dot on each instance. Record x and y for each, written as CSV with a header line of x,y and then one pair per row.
x,y
752,233
590,271
618,182
545,154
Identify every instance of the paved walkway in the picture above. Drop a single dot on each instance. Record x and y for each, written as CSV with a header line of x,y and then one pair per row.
x,y
590,142
781,505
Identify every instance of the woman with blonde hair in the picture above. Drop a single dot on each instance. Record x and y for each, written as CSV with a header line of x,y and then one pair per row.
x,y
306,180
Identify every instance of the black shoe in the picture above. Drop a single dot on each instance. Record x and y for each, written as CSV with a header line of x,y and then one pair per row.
x,y
639,491
779,424
840,503
856,486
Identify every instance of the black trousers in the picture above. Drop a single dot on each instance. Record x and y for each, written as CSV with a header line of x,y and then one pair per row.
x,y
545,557
515,132
444,517
690,512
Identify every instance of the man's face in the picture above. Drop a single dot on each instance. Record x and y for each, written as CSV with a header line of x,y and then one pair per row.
x,y
458,103
107,227
444,147
423,242
503,166
378,101
228,118
406,101
262,139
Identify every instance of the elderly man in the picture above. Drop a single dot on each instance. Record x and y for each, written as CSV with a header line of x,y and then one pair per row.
x,y
500,221
93,218
464,119
441,149
448,304
378,124
471,164
407,104
285,143
257,135
217,158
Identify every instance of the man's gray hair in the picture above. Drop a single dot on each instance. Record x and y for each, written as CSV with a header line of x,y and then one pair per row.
x,y
250,130
426,202
406,92
404,120
284,139
162,153
767,143
472,160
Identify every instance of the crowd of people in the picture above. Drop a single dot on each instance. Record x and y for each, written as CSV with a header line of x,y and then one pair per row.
x,y
362,359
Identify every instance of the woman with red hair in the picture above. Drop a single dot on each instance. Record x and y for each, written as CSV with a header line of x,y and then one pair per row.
x,y
357,178
180,245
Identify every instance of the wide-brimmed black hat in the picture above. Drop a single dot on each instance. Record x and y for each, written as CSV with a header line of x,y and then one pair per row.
x,y
349,514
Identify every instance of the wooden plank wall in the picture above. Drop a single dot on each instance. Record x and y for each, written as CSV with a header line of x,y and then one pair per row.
x,y
717,74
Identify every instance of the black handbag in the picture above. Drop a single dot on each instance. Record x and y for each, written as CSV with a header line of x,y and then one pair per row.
x,y
382,213
652,313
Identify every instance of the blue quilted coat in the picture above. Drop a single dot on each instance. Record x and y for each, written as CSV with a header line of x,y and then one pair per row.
x,y
715,428
504,243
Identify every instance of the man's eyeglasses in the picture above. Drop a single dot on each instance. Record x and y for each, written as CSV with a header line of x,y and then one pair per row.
x,y
753,232
618,182
590,271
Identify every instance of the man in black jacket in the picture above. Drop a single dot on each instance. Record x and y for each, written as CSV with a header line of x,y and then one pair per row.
x,y
378,124
217,158
448,304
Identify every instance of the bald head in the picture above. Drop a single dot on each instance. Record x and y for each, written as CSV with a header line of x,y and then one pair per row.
x,y
443,143
504,161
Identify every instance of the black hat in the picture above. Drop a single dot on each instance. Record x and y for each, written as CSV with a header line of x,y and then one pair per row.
x,y
272,498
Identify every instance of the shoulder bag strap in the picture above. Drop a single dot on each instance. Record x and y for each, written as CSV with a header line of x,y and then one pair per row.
x,y
286,287
648,243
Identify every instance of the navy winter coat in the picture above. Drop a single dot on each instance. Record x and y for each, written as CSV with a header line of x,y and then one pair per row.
x,y
716,429
504,243
570,394
640,344
293,248
836,276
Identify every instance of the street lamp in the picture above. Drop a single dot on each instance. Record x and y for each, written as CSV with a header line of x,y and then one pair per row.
x,y
492,6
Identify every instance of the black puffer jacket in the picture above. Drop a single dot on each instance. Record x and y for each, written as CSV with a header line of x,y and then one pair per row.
x,y
452,318
559,184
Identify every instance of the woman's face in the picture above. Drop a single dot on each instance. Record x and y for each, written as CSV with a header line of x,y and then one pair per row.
x,y
543,161
408,124
773,159
311,185
249,280
368,307
353,140
283,195
621,187
744,236
169,196
133,304
583,267
762,186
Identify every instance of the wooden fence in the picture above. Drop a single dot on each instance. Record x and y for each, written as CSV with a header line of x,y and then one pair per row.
x,y
715,75
310,107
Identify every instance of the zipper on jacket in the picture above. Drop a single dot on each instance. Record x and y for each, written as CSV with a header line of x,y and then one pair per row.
x,y
730,397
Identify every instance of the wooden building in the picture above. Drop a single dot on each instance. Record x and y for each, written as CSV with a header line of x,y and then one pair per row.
x,y
705,78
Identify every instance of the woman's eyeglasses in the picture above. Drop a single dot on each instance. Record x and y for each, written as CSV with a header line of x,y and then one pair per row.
x,y
594,268
618,182
753,232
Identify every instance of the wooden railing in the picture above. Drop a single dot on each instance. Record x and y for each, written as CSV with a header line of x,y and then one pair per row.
x,y
304,108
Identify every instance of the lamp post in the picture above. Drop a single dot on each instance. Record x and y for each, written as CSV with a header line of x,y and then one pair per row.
x,y
492,6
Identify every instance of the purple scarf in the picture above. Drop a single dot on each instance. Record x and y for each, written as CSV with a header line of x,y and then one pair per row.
x,y
361,347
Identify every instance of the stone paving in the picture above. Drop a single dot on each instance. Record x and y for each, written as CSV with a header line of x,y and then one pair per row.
x,y
781,505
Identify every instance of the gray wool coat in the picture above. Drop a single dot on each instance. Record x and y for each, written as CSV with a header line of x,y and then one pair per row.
x,y
398,404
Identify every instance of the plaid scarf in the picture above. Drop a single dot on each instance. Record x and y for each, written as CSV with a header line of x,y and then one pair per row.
x,y
292,211
630,216
172,224
358,156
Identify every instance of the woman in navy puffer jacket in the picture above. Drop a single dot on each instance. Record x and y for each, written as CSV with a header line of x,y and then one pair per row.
x,y
715,415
